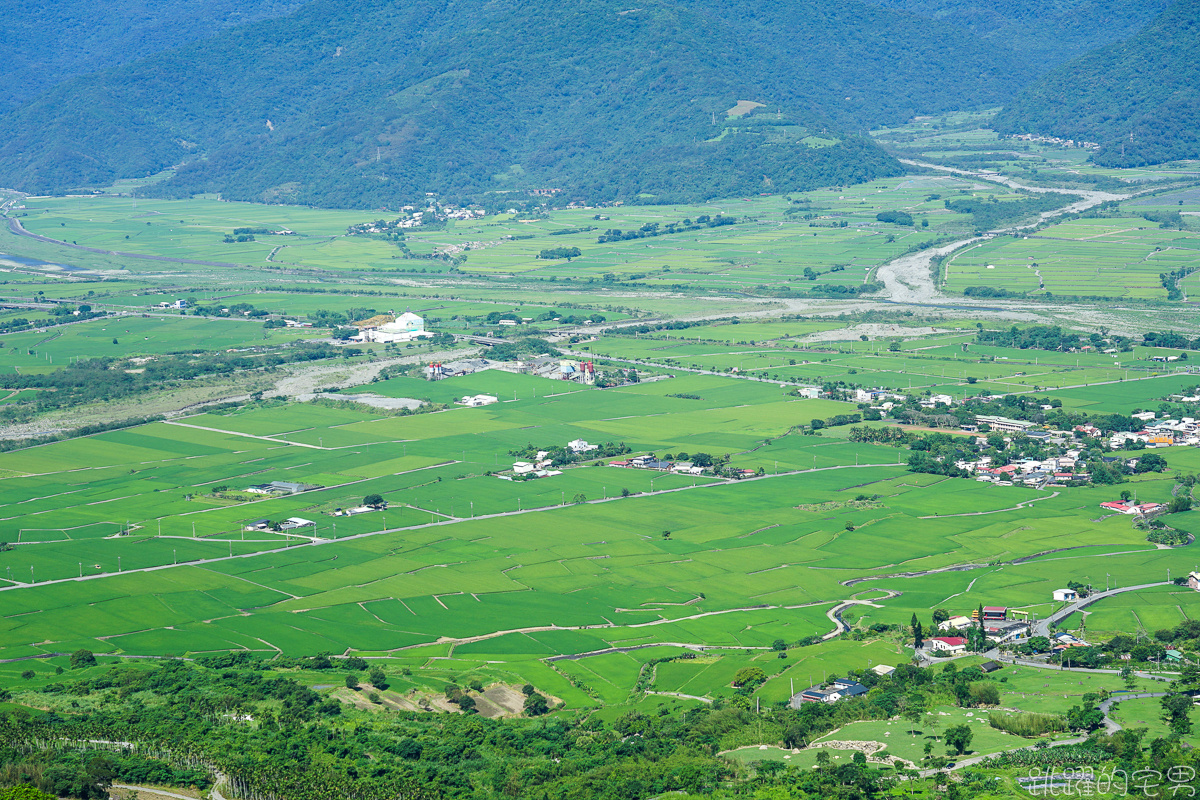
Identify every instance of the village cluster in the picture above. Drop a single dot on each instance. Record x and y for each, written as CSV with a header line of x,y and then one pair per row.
x,y
412,217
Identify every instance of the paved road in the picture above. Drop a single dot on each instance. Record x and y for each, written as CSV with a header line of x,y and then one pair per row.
x,y
1110,725
1021,662
15,226
1042,627
249,435
835,614
151,790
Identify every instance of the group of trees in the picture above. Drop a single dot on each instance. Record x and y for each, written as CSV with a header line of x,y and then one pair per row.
x,y
108,377
651,229
1171,340
184,721
837,420
1148,650
1170,280
555,253
1051,337
560,456
895,217
61,314
526,346
990,213
234,310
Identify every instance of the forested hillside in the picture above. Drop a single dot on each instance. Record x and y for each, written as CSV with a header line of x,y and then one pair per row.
x,y
361,107
1044,33
1140,99
45,43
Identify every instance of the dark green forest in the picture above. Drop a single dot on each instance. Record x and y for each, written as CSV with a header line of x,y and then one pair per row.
x,y
1043,32
352,106
270,736
45,43
1139,99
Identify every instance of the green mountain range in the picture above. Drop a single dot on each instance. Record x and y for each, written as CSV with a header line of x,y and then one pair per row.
x,y
1139,99
373,104
45,43
1044,33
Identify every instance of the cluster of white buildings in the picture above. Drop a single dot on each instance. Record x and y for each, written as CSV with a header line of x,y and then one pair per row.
x,y
412,218
557,369
1133,509
659,465
405,328
1030,471
451,369
1161,433
281,488
541,467
997,627
475,401
1033,137
1003,424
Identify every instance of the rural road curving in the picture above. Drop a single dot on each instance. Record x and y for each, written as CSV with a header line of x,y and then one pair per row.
x,y
1112,726
15,227
1042,627
835,613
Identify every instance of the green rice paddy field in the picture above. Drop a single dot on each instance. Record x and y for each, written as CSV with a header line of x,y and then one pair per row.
x,y
1120,257
465,571
945,363
767,246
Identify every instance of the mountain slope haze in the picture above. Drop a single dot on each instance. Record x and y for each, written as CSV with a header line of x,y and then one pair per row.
x,y
367,104
1139,99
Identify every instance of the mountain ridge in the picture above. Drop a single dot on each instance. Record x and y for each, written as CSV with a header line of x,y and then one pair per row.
x,y
46,43
1043,32
1139,99
371,105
